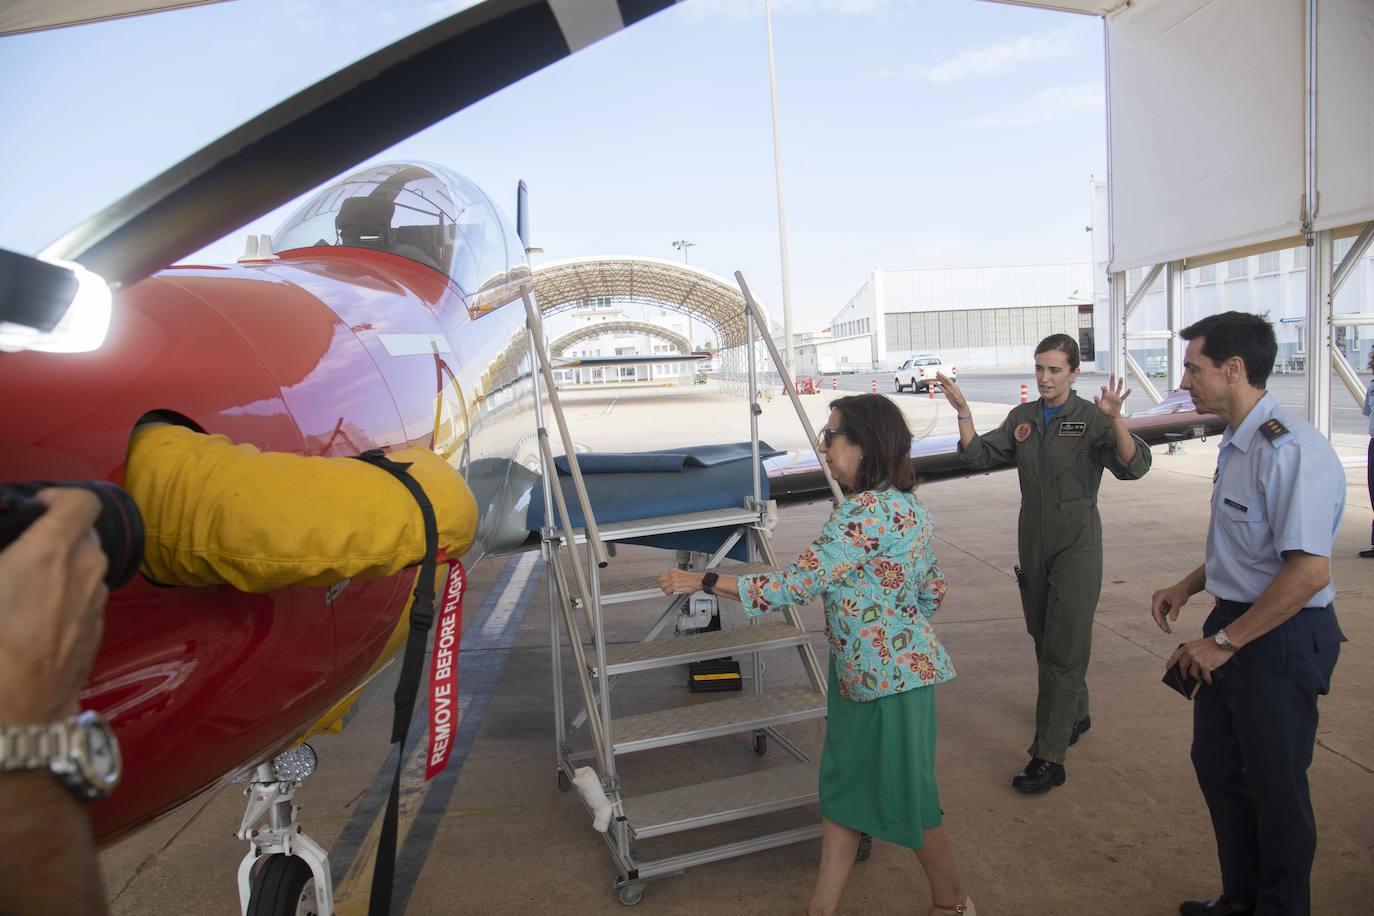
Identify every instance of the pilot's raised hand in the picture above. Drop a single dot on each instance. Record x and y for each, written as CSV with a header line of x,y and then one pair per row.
x,y
953,395
52,599
1113,397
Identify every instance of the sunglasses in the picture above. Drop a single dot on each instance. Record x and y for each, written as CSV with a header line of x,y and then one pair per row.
x,y
827,435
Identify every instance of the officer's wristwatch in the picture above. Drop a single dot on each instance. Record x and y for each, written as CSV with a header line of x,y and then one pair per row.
x,y
1224,641
81,751
708,582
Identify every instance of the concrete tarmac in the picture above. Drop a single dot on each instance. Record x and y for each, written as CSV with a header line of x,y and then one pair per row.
x,y
1128,834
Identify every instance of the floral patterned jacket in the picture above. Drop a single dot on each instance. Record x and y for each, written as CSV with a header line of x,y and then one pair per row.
x,y
874,564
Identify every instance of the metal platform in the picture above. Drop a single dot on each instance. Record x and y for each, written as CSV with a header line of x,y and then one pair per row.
x,y
663,653
777,788
577,621
711,719
670,524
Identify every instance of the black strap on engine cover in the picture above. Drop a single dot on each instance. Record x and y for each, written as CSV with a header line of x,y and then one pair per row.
x,y
408,687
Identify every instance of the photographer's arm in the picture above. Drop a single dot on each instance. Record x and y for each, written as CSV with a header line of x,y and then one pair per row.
x,y
52,600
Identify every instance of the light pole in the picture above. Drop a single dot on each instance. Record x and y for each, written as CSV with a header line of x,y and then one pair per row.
x,y
788,355
682,245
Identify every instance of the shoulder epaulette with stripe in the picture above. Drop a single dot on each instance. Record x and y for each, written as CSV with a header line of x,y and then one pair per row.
x,y
1273,428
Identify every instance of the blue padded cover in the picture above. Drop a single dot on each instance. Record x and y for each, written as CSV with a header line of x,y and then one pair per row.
x,y
668,459
701,480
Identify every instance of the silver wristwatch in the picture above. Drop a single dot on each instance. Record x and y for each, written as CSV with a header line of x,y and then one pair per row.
x,y
81,751
1224,641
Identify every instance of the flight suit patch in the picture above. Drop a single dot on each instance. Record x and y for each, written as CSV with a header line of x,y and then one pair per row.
x,y
1023,432
1073,428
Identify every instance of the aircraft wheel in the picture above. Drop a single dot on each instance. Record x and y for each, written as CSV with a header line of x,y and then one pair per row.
x,y
760,743
631,894
563,783
283,886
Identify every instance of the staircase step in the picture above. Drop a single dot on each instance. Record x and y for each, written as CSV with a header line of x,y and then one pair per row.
x,y
667,524
777,788
678,650
712,718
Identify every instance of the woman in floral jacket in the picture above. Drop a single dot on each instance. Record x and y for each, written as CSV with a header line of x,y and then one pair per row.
x,y
874,564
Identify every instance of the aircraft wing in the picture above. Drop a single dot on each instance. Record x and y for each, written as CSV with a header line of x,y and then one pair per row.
x,y
797,474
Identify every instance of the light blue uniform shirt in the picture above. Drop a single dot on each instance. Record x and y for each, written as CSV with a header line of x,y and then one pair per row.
x,y
1369,406
1269,496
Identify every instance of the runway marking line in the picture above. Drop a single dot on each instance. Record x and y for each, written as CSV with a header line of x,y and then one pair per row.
x,y
482,660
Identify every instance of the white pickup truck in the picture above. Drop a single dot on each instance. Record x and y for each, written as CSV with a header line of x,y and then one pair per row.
x,y
917,373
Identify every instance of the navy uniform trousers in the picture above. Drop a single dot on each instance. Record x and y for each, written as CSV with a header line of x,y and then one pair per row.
x,y
1253,734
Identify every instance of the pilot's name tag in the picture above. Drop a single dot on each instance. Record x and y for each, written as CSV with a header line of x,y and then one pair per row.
x,y
1073,428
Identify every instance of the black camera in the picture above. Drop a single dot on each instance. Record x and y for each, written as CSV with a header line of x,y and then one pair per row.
x,y
119,526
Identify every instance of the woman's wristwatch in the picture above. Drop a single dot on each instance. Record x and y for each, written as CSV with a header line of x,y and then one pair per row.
x,y
708,582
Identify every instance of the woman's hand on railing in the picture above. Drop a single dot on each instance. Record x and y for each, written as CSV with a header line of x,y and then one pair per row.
x,y
679,582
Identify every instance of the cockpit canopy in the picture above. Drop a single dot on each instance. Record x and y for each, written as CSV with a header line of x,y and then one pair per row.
x,y
419,211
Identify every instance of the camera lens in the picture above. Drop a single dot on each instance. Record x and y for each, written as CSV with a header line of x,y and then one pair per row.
x,y
119,525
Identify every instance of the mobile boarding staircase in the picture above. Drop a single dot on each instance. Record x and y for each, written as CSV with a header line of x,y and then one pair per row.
x,y
576,613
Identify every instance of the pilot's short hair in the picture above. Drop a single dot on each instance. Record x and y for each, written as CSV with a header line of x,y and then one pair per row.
x,y
1064,344
878,427
1240,334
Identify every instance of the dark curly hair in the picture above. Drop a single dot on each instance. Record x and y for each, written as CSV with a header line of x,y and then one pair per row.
x,y
878,427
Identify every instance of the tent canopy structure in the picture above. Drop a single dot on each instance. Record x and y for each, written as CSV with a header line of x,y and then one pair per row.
x,y
1237,127
562,285
560,346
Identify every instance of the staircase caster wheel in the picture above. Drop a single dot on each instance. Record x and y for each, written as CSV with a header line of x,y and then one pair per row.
x,y
563,782
631,894
865,848
760,743
283,886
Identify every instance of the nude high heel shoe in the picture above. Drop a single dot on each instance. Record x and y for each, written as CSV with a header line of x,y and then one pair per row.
x,y
964,909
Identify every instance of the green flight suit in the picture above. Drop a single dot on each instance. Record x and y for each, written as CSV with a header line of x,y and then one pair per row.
x,y
1059,538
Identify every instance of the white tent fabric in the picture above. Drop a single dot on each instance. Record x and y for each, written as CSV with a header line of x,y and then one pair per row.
x,y
1205,126
1345,112
33,15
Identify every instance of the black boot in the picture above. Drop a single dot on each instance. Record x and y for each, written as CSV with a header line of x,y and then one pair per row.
x,y
1038,777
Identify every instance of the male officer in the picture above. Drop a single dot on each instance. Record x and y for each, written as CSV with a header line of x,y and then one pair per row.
x,y
1271,643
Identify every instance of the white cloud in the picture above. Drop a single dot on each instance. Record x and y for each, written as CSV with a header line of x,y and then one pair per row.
x,y
1004,57
1058,103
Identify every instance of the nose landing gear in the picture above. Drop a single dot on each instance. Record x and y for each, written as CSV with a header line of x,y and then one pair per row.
x,y
285,873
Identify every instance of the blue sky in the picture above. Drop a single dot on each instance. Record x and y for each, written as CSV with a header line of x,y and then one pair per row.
x,y
914,133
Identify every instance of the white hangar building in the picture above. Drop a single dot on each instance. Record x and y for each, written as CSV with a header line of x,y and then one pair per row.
x,y
969,316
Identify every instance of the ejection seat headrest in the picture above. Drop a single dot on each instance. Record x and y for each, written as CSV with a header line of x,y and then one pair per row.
x,y
365,221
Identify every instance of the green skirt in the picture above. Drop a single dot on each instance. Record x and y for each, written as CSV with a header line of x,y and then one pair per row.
x,y
878,765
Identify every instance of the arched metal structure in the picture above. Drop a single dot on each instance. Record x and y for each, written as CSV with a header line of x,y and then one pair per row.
x,y
587,332
565,284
